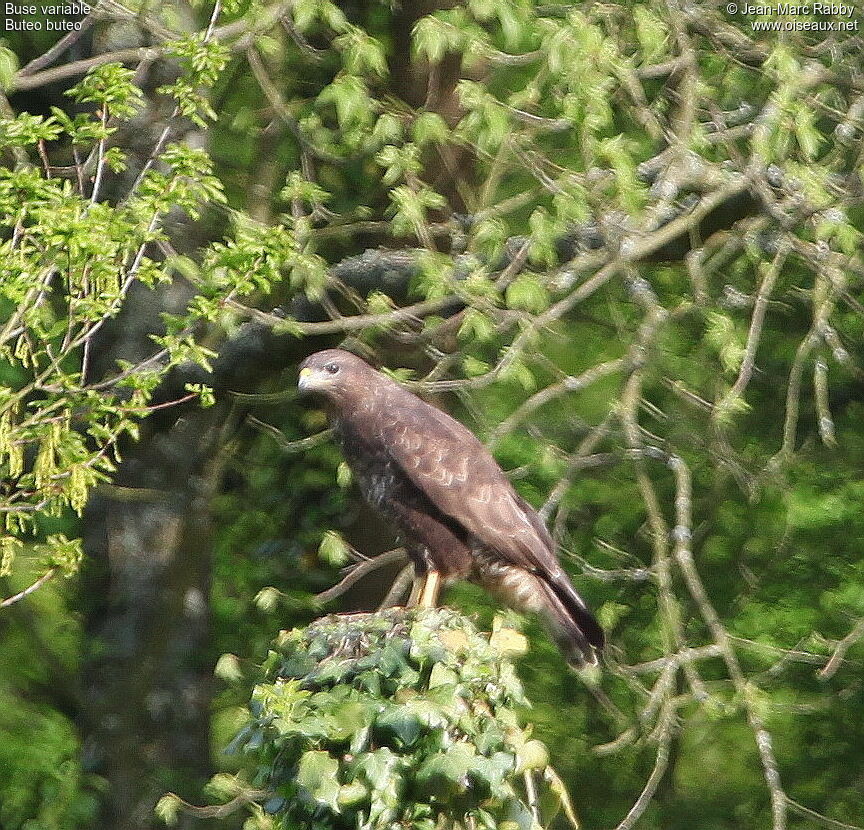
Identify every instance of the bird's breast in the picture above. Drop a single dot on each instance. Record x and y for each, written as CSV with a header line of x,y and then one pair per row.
x,y
379,485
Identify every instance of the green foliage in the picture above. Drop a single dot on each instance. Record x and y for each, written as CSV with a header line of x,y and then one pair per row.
x,y
110,88
167,809
333,549
722,335
410,208
8,67
68,262
63,796
373,720
573,139
44,782
202,61
528,294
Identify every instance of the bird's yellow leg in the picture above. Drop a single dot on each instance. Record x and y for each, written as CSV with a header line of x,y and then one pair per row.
x,y
429,594
414,596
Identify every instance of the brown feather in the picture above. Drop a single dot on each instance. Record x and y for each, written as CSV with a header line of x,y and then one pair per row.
x,y
440,486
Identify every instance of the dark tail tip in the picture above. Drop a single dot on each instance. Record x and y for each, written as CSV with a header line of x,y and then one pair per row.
x,y
575,631
576,650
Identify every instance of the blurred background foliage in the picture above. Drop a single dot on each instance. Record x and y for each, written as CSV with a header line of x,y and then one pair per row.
x,y
630,236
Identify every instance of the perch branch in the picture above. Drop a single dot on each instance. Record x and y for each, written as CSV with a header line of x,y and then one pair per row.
x,y
357,572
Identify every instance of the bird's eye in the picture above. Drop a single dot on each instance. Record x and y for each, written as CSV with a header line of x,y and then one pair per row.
x,y
332,368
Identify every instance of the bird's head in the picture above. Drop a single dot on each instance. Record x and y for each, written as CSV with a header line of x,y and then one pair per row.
x,y
332,372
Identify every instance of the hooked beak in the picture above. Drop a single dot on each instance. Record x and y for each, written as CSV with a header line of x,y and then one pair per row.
x,y
305,379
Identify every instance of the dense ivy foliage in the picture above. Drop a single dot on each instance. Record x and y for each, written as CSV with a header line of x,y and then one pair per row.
x,y
401,718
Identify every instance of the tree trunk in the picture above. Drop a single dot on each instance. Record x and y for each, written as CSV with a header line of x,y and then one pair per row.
x,y
147,676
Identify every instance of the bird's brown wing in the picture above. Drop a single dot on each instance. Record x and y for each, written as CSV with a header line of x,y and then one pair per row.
x,y
459,476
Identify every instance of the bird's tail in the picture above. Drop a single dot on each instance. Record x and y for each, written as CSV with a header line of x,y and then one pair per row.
x,y
572,626
554,599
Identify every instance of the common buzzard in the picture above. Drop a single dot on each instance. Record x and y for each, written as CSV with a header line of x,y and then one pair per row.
x,y
459,516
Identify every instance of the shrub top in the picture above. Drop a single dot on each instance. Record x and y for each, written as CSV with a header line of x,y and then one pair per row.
x,y
398,718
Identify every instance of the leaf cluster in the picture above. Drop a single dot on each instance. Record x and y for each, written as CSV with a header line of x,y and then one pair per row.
x,y
396,718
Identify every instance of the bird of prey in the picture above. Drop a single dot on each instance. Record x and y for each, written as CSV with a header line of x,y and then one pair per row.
x,y
457,513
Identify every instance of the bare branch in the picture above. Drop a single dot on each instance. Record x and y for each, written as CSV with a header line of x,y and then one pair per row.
x,y
46,577
684,559
840,650
755,333
357,572
661,762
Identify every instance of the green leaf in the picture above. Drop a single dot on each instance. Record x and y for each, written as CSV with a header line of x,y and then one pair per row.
x,y
722,334
610,613
429,127
362,53
387,129
442,676
517,372
378,768
559,790
402,723
267,598
333,549
350,97
474,367
167,809
317,775
8,67
651,32
526,293
344,476
476,326
228,668
110,87
352,796
445,774
531,755
429,39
